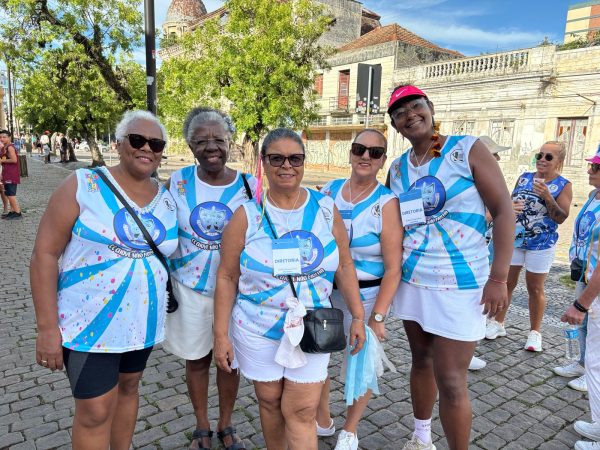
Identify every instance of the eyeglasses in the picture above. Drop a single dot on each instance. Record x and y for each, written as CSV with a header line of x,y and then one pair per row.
x,y
275,160
546,156
594,166
415,106
137,141
201,144
374,152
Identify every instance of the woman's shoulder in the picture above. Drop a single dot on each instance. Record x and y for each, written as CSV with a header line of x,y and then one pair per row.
x,y
332,187
184,173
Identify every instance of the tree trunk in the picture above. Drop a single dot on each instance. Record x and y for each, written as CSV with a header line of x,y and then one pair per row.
x,y
71,150
97,159
250,155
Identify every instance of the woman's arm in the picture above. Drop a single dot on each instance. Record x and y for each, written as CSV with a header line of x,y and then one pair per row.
x,y
392,234
558,210
347,283
492,188
228,275
11,156
572,315
54,233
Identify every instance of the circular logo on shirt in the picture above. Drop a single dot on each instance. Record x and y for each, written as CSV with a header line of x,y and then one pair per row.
x,y
208,220
585,225
128,231
553,188
433,194
311,249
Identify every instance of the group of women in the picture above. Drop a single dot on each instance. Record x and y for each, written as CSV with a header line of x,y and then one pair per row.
x,y
415,249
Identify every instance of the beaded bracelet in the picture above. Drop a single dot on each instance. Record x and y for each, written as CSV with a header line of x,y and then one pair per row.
x,y
497,281
579,307
360,320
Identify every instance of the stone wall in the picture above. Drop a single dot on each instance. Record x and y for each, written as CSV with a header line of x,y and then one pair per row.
x,y
348,14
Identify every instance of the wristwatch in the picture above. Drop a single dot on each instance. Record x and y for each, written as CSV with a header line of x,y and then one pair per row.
x,y
378,317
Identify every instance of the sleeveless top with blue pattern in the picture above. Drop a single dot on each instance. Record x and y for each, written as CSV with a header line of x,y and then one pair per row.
x,y
587,219
364,229
260,306
111,287
203,211
540,230
448,251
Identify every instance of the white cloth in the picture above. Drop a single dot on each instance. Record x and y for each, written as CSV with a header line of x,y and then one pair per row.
x,y
289,353
592,359
534,261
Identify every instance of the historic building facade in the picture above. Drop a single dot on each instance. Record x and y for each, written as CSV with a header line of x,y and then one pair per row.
x,y
583,20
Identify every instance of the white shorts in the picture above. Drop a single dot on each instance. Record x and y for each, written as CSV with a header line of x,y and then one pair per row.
x,y
255,357
189,330
534,261
454,314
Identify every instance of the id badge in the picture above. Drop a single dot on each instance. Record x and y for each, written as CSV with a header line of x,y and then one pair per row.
x,y
347,218
286,257
411,208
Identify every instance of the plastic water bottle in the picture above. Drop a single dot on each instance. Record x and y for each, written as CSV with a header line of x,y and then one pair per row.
x,y
572,351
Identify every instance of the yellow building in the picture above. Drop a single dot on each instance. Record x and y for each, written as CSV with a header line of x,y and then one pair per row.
x,y
583,20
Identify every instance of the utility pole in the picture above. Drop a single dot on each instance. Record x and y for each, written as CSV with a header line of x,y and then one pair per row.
x,y
10,108
150,55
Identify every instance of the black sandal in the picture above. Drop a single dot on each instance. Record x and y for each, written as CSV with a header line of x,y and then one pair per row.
x,y
230,431
198,435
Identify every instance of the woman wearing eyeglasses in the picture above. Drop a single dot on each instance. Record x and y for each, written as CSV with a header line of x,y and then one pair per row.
x,y
299,232
545,197
207,196
444,185
98,289
372,219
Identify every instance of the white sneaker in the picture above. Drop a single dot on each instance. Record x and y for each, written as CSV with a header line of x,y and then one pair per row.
x,y
346,441
579,384
416,444
494,329
326,431
569,370
477,363
590,430
534,342
587,445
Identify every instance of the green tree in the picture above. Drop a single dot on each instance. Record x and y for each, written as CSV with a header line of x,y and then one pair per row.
x,y
262,60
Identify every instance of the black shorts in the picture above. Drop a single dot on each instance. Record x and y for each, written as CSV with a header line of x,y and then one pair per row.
x,y
10,190
94,374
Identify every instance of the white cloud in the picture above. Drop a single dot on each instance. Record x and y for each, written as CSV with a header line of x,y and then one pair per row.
x,y
406,4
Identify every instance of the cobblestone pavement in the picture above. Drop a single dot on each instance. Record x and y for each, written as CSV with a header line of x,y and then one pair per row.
x,y
517,402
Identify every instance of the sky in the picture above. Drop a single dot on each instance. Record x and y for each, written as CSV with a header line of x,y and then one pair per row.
x,y
471,27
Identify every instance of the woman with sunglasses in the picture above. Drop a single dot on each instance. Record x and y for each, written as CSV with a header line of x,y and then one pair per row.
x,y
444,185
207,195
98,289
251,281
372,219
545,197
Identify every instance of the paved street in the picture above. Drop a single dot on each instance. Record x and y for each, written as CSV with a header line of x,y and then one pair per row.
x,y
517,402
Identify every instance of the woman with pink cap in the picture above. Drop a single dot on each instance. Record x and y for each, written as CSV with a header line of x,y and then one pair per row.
x,y
445,184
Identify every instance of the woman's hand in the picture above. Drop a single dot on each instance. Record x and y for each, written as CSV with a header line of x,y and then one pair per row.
x,y
48,349
494,298
357,336
572,316
223,353
378,328
541,189
518,206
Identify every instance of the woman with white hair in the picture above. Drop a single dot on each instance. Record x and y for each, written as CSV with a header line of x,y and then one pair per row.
x,y
98,285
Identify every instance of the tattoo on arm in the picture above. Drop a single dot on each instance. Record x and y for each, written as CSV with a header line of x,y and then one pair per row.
x,y
555,212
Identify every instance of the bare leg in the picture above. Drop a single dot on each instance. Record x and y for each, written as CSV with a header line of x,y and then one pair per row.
x,y
227,385
196,373
513,279
4,202
423,388
14,204
123,422
271,417
92,421
323,411
537,299
299,407
355,412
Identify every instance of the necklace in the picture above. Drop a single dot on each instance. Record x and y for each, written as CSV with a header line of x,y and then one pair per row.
x,y
354,199
287,219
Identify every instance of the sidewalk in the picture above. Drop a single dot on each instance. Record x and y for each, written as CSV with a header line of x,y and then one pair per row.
x,y
517,402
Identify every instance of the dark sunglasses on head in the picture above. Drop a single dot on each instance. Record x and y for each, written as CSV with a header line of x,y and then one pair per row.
x,y
137,141
276,160
374,152
546,156
594,166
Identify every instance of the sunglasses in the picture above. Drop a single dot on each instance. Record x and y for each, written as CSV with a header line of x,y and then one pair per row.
x,y
546,156
137,141
374,152
202,144
275,160
594,166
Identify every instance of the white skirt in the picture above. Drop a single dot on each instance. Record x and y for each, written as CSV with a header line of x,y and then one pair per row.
x,y
453,314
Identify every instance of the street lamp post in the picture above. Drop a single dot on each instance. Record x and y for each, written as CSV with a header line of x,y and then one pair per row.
x,y
150,41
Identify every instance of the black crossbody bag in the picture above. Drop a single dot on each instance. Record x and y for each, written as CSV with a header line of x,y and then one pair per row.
x,y
323,327
172,303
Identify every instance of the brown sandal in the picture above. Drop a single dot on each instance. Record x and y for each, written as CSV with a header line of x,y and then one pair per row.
x,y
230,431
197,435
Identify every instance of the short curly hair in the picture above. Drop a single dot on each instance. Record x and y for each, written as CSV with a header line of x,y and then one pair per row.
x,y
202,114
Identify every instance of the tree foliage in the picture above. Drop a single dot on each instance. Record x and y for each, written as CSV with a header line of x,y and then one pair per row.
x,y
260,62
591,41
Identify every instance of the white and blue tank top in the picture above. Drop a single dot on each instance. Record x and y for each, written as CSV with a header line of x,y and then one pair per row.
x,y
363,222
540,230
203,211
260,306
111,286
448,251
587,219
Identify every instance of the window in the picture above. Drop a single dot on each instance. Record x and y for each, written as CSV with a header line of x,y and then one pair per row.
x,y
573,132
319,85
463,127
502,131
343,89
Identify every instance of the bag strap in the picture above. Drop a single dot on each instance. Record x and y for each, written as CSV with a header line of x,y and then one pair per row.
x,y
137,220
247,186
268,219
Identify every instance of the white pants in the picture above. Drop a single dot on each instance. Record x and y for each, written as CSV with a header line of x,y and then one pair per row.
x,y
592,359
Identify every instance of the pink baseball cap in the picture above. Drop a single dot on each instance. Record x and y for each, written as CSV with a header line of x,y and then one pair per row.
x,y
596,158
403,92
